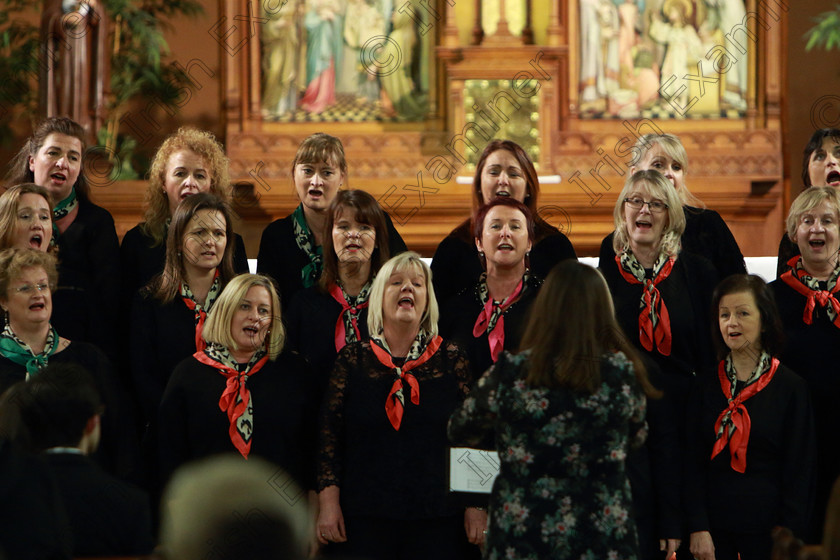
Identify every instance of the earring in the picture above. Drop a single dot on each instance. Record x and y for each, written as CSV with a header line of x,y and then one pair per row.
x,y
481,254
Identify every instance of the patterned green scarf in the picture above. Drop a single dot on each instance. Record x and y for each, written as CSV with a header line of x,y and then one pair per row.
x,y
306,243
20,353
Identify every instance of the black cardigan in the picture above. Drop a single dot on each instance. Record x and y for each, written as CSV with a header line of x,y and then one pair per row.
x,y
706,234
85,305
161,336
777,486
285,409
813,352
281,259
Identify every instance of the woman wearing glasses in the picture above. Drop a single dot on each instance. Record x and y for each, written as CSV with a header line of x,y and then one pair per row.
x,y
705,231
662,297
28,341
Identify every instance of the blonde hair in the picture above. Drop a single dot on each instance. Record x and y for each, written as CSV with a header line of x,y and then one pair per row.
x,y
673,148
807,200
9,205
14,260
658,187
400,263
219,318
203,144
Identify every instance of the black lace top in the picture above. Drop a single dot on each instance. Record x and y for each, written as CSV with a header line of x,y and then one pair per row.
x,y
381,471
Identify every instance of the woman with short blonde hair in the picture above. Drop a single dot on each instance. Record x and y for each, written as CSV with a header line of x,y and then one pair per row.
x,y
242,394
382,477
806,294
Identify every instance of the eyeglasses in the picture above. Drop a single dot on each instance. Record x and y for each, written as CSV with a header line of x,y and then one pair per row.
x,y
27,289
655,206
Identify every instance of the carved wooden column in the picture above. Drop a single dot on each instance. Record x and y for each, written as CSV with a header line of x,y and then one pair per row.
x,y
478,28
527,31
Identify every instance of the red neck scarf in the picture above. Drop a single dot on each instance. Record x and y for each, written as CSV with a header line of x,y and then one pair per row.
x,y
733,424
654,321
349,314
236,398
492,318
395,403
201,310
802,282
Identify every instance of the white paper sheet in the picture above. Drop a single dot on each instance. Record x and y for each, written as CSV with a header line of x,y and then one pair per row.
x,y
472,470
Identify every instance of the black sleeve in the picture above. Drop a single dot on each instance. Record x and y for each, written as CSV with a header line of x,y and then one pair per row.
x,y
550,251
173,422
268,261
293,319
799,472
664,448
696,461
103,254
727,255
240,257
702,279
448,277
129,268
787,250
118,428
396,245
606,255
147,376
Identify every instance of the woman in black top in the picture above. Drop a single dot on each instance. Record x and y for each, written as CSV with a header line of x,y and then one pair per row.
x,y
503,170
751,447
85,300
168,315
490,316
326,317
383,452
706,233
291,248
189,161
820,167
242,393
806,296
29,341
662,298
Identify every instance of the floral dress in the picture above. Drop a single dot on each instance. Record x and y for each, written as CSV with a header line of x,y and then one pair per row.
x,y
562,491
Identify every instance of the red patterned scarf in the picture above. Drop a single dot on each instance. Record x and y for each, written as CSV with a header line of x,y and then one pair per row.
x,y
733,424
236,399
802,282
654,321
347,325
492,316
419,354
201,310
